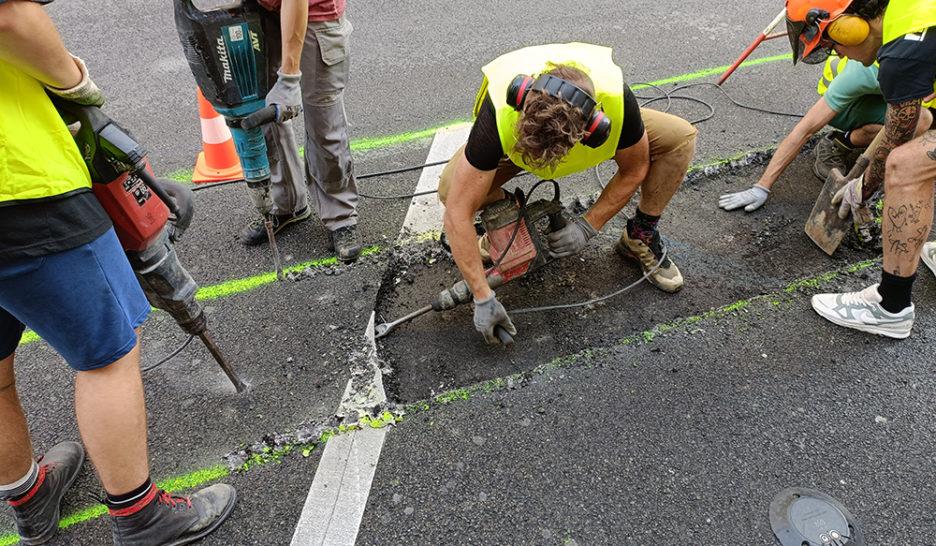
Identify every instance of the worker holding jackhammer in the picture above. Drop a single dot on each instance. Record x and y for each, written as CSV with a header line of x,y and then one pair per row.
x,y
326,175
64,274
850,102
901,36
554,110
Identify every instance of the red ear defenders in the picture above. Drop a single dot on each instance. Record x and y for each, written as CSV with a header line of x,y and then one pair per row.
x,y
598,126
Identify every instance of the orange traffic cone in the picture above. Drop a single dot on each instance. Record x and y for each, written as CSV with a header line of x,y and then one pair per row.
x,y
218,162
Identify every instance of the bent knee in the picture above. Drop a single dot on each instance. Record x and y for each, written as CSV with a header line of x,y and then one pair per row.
x,y
900,167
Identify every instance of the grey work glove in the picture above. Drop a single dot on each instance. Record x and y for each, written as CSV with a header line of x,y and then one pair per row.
x,y
751,199
848,198
488,314
86,92
286,95
571,239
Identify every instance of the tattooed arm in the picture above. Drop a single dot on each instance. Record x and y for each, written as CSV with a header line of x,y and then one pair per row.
x,y
899,127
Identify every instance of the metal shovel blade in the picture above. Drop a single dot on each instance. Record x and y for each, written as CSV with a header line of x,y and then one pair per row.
x,y
824,226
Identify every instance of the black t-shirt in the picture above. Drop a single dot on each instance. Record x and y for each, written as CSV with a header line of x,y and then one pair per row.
x,y
484,150
908,66
40,228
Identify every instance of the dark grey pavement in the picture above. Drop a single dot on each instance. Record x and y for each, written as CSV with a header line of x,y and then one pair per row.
x,y
607,438
681,441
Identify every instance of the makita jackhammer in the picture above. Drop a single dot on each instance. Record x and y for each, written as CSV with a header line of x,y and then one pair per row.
x,y
124,184
228,44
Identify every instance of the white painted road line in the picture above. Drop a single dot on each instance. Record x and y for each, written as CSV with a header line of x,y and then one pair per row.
x,y
332,513
339,492
425,211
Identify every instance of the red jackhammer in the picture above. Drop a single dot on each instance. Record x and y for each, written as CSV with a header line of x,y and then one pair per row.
x,y
124,184
516,231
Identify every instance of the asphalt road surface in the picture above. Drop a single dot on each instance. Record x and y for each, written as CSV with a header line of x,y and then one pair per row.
x,y
648,419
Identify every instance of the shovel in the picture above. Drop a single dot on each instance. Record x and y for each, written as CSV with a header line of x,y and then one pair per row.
x,y
824,226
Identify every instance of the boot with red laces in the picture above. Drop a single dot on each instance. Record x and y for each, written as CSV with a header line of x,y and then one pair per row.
x,y
160,518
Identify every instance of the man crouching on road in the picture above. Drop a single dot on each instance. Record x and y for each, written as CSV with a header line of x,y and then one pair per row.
x,y
64,274
551,126
901,36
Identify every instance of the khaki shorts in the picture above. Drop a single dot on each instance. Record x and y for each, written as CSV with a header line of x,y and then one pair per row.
x,y
665,132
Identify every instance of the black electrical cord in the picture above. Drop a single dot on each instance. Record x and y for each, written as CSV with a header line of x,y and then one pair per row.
x,y
669,96
171,355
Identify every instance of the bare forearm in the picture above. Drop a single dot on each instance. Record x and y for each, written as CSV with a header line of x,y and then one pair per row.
x,y
459,228
786,152
29,41
294,18
614,197
899,128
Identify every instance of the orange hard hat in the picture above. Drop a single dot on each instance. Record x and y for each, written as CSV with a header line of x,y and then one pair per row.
x,y
807,21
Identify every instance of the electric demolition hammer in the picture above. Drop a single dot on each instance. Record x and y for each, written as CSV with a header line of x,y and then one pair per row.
x,y
227,44
124,184
516,232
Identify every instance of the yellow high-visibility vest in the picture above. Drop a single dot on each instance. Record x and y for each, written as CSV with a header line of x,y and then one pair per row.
x,y
594,60
38,156
907,17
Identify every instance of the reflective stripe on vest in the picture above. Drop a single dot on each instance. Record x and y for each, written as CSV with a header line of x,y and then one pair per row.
x,y
833,67
907,17
38,156
594,60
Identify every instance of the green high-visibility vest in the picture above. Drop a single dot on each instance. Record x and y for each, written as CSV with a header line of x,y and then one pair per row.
x,y
593,60
833,67
38,156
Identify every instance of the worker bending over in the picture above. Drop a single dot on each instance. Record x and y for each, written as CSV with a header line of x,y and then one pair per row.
x,y
901,35
555,110
850,102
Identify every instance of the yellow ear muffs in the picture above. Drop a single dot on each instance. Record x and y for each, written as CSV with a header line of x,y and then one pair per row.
x,y
848,30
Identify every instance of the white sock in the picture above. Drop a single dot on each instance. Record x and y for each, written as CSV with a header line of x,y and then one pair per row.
x,y
21,486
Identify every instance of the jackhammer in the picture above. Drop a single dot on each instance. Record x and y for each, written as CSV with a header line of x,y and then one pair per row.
x,y
124,184
516,232
228,44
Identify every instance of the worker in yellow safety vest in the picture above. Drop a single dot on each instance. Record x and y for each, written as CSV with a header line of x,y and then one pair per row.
x,y
901,36
554,110
850,101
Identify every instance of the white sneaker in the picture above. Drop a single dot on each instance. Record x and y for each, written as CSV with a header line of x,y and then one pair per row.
x,y
928,255
862,311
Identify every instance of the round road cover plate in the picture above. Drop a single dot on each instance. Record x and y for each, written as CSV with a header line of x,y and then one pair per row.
x,y
801,517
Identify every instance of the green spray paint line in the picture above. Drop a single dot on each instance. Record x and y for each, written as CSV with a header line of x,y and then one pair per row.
x,y
173,484
773,300
367,144
239,286
706,72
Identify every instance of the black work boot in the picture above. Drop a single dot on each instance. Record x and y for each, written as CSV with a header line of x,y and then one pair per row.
x,y
345,244
255,232
37,512
161,519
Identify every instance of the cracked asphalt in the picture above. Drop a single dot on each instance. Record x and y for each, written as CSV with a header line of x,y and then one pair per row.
x,y
581,435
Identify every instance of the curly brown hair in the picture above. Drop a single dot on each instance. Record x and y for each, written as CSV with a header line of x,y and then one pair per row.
x,y
549,127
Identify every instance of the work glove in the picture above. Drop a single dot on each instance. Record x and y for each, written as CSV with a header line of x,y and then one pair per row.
x,y
286,95
488,314
849,201
848,198
571,239
86,92
751,199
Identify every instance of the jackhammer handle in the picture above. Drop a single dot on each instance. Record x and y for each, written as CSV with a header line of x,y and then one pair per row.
x,y
556,221
503,335
260,117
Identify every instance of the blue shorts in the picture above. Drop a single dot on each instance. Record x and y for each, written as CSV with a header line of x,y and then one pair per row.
x,y
85,302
